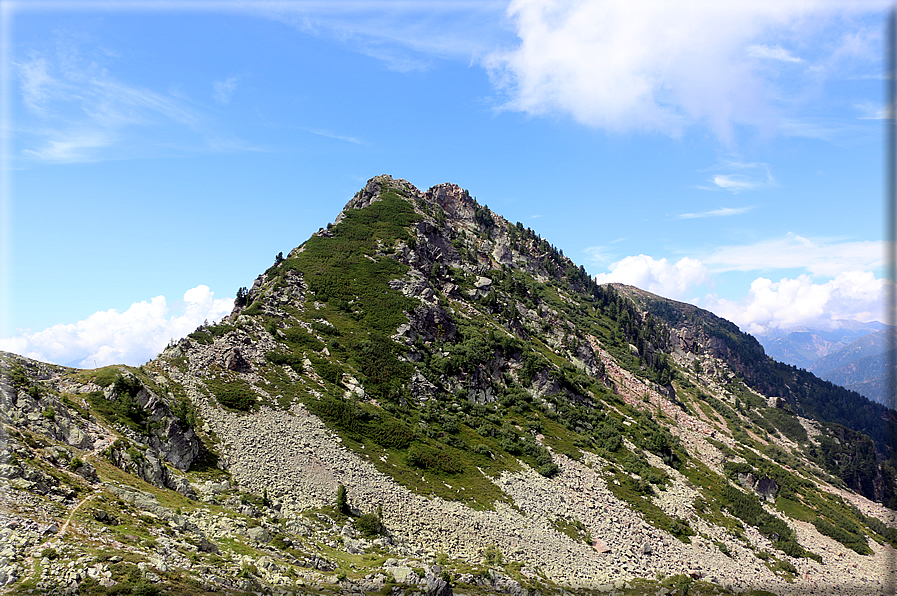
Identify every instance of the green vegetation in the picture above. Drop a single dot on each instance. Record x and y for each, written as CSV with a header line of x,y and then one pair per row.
x,y
492,555
573,528
342,502
337,268
123,407
747,508
434,459
231,391
292,360
206,334
787,423
369,525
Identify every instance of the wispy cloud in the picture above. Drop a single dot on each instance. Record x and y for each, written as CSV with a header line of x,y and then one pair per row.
x,y
71,149
224,89
599,255
819,256
736,184
742,177
772,53
404,35
77,110
721,212
332,135
871,111
824,129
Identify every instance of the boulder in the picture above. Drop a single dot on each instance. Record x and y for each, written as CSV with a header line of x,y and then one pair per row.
x,y
235,361
436,586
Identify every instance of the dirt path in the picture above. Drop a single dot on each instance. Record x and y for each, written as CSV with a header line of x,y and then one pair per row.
x,y
33,558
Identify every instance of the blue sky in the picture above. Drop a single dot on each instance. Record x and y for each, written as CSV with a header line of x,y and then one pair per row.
x,y
157,155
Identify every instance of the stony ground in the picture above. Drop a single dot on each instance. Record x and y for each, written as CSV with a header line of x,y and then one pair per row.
x,y
61,529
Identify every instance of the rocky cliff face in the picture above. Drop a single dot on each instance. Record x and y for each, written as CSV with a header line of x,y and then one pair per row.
x,y
500,424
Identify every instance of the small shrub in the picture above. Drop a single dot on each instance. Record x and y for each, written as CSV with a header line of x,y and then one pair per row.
x,y
549,470
342,502
680,529
145,589
428,458
481,449
232,393
492,555
294,361
49,414
49,553
329,371
369,525
785,566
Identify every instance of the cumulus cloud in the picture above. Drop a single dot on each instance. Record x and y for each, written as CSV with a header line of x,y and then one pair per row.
x,y
671,280
655,65
794,302
130,337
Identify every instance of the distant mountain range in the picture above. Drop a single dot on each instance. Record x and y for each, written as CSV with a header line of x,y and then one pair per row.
x,y
853,356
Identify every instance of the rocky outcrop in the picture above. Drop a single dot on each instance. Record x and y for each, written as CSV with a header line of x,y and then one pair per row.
x,y
146,465
765,487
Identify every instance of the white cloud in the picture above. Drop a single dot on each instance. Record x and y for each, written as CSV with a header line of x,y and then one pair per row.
x,y
656,65
735,184
224,89
721,212
773,53
671,280
817,256
853,295
130,337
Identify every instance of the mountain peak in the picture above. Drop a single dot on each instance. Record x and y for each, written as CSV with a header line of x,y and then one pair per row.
x,y
455,202
422,376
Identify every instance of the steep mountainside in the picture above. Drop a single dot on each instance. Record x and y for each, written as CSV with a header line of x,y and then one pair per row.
x,y
425,398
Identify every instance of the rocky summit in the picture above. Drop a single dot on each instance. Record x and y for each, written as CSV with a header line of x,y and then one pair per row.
x,y
425,399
